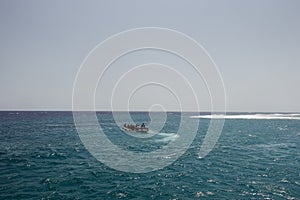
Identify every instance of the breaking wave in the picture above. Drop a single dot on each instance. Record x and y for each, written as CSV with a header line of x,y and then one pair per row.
x,y
250,116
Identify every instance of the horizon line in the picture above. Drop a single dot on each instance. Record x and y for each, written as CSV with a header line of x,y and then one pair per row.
x,y
178,111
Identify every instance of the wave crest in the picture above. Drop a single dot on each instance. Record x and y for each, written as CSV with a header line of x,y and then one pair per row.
x,y
250,116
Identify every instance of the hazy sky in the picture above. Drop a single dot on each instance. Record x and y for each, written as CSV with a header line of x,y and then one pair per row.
x,y
254,43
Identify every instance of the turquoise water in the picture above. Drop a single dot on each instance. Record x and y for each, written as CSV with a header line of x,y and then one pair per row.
x,y
42,157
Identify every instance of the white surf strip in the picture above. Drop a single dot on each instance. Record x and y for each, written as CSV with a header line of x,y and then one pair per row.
x,y
250,116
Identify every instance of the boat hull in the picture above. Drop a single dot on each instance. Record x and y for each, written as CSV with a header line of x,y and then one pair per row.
x,y
137,130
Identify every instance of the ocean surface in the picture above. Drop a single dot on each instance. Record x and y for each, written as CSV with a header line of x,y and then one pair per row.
x,y
256,157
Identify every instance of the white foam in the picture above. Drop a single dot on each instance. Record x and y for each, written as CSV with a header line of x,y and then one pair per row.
x,y
250,116
167,137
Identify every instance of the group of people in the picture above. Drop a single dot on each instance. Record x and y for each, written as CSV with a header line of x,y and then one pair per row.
x,y
132,127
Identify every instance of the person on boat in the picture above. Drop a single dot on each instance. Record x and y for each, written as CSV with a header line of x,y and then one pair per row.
x,y
125,125
143,125
131,126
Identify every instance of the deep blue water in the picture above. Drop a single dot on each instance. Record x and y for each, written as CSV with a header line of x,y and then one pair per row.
x,y
42,157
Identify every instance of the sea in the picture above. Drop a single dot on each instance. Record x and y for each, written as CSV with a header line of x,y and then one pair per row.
x,y
256,156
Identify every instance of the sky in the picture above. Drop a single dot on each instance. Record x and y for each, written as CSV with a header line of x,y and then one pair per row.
x,y
255,45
